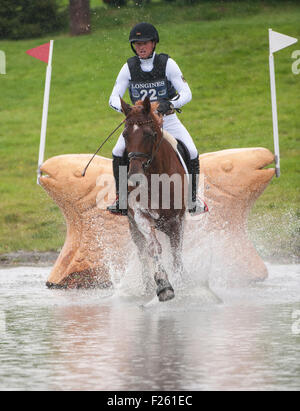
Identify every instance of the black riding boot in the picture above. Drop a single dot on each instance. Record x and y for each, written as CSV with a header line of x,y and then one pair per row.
x,y
196,205
115,208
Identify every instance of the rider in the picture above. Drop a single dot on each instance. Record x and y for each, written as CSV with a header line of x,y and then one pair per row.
x,y
159,77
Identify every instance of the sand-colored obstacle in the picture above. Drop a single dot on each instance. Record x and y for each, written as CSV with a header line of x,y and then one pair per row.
x,y
232,181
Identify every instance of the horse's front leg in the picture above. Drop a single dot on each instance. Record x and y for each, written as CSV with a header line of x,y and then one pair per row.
x,y
141,244
146,225
174,230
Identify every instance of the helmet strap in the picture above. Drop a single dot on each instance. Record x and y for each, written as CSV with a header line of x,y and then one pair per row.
x,y
132,48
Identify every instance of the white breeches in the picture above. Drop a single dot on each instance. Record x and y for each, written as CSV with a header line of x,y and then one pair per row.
x,y
173,125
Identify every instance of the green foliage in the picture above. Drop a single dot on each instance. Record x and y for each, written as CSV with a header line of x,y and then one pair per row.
x,y
115,3
121,3
29,18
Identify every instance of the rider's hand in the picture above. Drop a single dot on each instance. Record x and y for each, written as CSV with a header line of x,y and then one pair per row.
x,y
165,107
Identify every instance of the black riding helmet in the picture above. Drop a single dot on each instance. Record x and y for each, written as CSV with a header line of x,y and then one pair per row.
x,y
143,32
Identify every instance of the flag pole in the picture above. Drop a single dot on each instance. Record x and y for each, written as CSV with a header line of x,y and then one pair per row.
x,y
274,109
274,115
277,41
45,112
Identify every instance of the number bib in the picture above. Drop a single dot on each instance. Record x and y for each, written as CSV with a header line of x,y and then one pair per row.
x,y
155,90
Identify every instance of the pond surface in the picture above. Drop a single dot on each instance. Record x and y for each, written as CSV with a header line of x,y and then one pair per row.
x,y
99,340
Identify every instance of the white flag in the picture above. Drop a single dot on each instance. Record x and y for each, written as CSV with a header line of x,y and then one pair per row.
x,y
278,41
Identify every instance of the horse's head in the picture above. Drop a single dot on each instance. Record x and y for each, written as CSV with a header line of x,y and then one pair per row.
x,y
142,132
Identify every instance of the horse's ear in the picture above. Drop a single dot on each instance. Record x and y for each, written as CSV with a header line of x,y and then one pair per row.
x,y
147,105
126,108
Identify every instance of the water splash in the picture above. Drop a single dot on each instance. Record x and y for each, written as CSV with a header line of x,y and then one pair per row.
x,y
277,235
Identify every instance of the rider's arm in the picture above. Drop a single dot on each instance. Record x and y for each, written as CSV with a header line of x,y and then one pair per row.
x,y
120,87
174,75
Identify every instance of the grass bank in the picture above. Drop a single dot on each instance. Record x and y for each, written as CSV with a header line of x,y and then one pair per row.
x,y
222,49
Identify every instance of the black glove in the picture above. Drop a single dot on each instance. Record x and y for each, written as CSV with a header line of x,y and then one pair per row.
x,y
165,107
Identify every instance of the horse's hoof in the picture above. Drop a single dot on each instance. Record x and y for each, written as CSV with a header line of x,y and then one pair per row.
x,y
167,294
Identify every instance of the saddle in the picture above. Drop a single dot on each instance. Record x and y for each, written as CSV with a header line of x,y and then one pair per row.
x,y
180,148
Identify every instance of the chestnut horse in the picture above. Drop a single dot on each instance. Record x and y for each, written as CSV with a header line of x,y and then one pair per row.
x,y
150,154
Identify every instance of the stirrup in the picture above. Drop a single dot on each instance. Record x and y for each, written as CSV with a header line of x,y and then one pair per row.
x,y
199,208
114,208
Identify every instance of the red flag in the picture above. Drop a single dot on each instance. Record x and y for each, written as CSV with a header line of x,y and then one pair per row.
x,y
40,52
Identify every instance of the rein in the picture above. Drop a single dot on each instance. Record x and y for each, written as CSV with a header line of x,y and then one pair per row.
x,y
131,156
86,167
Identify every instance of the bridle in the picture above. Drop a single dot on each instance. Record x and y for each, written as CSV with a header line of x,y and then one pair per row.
x,y
139,156
131,156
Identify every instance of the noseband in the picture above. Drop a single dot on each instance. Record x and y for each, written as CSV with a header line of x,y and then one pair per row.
x,y
138,155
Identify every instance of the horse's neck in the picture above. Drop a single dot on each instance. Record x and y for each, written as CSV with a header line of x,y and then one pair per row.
x,y
166,158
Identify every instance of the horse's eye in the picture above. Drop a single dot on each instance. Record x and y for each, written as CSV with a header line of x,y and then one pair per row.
x,y
151,135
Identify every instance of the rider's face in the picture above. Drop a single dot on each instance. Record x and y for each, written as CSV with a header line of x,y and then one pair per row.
x,y
144,48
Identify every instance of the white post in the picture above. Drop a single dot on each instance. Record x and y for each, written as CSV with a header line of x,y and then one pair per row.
x,y
277,41
45,112
274,114
2,62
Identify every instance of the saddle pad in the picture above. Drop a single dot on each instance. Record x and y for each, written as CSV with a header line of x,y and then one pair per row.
x,y
180,149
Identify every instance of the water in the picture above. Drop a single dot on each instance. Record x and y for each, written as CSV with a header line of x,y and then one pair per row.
x,y
98,340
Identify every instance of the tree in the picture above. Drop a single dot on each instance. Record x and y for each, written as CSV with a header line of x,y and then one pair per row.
x,y
29,18
80,19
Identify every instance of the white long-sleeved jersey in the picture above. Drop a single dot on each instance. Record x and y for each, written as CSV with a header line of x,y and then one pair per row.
x,y
173,74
